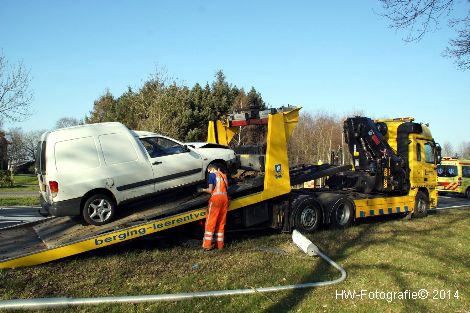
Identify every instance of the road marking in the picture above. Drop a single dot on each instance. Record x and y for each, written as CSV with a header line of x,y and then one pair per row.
x,y
454,207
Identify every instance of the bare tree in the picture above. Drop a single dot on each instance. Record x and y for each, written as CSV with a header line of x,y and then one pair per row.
x,y
448,150
422,16
22,147
314,138
464,150
15,95
67,122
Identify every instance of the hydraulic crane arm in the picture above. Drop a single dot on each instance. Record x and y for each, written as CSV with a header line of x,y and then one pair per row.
x,y
377,167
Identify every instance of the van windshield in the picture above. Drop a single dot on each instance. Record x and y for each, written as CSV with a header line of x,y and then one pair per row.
x,y
447,170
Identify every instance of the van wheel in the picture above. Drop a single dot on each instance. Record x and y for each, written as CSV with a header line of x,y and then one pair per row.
x,y
306,214
98,210
342,214
467,193
421,205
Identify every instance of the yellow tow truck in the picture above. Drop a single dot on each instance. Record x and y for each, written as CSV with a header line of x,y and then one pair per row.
x,y
393,172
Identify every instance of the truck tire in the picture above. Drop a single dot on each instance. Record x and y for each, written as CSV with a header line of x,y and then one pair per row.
x,y
342,213
306,214
98,210
467,193
421,205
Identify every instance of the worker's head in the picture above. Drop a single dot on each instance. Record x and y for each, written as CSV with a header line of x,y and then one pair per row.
x,y
212,168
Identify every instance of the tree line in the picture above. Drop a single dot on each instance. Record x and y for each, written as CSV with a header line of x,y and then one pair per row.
x,y
175,110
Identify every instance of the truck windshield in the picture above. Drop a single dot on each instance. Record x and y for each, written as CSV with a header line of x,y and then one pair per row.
x,y
447,170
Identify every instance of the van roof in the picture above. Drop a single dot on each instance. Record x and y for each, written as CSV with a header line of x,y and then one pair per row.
x,y
85,130
94,125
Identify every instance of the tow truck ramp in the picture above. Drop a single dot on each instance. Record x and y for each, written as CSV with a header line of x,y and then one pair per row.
x,y
59,237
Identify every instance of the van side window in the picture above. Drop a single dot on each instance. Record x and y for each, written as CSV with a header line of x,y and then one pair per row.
x,y
428,153
418,152
159,146
117,149
76,154
466,171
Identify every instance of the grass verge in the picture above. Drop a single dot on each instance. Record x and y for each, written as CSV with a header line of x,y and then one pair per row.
x,y
14,201
389,256
25,180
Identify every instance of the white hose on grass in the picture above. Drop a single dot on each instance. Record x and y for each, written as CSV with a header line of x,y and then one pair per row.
x,y
301,241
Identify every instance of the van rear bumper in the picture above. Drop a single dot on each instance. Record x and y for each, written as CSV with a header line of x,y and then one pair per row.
x,y
62,208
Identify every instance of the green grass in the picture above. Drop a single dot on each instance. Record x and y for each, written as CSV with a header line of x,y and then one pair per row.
x,y
17,188
391,256
13,201
22,183
25,180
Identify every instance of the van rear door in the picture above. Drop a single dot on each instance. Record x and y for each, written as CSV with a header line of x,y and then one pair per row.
x,y
40,166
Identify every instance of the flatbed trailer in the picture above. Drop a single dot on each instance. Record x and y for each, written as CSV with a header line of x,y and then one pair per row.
x,y
269,200
59,237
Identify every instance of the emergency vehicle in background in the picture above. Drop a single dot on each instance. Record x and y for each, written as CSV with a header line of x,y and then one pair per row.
x,y
453,176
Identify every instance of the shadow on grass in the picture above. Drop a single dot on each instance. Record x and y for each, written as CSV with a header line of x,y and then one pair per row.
x,y
361,241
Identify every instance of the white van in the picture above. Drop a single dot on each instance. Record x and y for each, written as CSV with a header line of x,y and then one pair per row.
x,y
90,169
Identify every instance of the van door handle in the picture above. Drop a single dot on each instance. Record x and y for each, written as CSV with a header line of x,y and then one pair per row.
x,y
156,163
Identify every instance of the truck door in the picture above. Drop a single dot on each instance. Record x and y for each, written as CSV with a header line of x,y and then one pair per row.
x,y
423,164
430,163
173,163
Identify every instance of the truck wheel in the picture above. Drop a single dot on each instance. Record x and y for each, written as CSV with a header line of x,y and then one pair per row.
x,y
98,210
467,193
342,214
306,214
421,205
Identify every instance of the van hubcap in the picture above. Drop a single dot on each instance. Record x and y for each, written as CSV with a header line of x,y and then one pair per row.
x,y
99,210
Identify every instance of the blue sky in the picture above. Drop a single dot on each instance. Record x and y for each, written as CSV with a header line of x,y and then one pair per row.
x,y
336,56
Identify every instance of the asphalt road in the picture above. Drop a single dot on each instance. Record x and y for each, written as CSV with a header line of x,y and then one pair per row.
x,y
23,214
449,201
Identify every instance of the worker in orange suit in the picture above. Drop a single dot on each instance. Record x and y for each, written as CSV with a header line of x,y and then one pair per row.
x,y
217,211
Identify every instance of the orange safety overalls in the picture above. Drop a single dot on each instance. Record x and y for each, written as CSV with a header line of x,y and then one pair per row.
x,y
217,214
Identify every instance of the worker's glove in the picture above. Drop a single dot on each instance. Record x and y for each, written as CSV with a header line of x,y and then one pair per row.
x,y
200,189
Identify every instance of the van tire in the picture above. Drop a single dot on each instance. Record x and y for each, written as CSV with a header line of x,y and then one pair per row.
x,y
306,214
467,193
342,213
98,210
421,205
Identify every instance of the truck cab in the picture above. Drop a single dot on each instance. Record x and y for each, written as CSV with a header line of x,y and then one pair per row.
x,y
415,144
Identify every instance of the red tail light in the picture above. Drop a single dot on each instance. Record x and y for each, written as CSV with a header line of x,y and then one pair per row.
x,y
459,183
54,187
